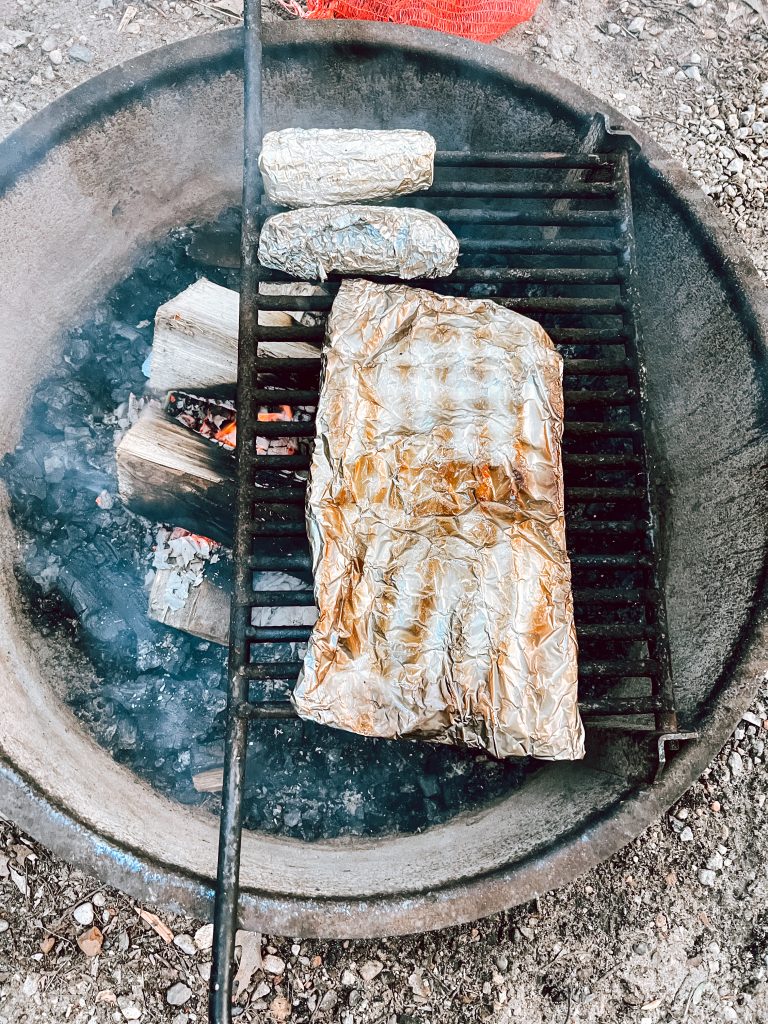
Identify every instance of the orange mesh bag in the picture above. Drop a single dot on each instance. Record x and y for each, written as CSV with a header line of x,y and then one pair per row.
x,y
484,20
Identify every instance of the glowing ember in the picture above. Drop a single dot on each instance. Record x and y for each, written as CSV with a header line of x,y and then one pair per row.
x,y
227,434
276,445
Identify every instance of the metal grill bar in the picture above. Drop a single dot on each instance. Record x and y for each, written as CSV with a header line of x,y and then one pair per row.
x,y
230,830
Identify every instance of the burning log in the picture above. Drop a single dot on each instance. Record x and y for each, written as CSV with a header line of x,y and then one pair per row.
x,y
170,474
195,341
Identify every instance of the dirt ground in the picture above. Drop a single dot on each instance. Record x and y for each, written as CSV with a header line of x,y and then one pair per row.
x,y
675,928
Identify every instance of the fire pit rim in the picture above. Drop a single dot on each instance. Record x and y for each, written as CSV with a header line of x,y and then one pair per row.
x,y
481,894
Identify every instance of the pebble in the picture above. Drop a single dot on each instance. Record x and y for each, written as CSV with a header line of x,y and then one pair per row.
x,y
80,53
634,112
185,943
715,862
55,57
707,876
636,25
696,3
105,5
371,969
612,28
99,899
693,72
204,937
4,926
273,964
735,762
348,979
128,1008
48,44
83,914
178,994
686,835
329,1001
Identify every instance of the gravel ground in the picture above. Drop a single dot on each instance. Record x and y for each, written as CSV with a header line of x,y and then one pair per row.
x,y
673,929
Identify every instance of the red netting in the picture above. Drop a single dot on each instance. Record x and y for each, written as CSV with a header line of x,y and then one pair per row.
x,y
484,20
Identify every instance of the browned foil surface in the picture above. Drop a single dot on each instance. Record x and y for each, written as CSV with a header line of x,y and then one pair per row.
x,y
435,516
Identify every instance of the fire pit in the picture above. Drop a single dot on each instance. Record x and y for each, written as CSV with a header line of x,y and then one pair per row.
x,y
92,188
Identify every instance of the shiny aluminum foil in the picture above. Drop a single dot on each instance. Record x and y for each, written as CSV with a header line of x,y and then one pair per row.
x,y
435,517
381,240
328,166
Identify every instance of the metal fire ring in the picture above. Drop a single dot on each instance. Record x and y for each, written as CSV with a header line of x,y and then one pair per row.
x,y
61,825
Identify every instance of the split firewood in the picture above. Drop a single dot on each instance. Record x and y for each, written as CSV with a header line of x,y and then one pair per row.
x,y
171,474
205,613
210,781
195,340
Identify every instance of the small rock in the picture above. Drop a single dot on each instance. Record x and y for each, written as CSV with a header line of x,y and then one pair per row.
x,y
696,3
715,862
715,806
204,937
686,835
542,42
31,986
280,1008
763,92
178,994
90,942
204,970
329,1000
693,72
55,57
105,5
273,964
83,914
707,877
371,969
735,762
641,948
262,989
636,25
4,926
634,112
185,943
48,44
128,1008
348,979
99,899
612,28
80,53
729,1013
180,1018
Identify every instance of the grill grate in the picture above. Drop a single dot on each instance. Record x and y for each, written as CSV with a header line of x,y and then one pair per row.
x,y
551,236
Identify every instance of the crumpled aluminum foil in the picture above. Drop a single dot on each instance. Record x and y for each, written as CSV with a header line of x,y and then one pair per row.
x,y
382,240
435,517
328,166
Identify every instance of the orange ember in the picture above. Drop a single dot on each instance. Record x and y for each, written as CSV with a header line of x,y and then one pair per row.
x,y
283,416
227,434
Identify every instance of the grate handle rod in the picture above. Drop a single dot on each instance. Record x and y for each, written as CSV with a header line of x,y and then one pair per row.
x,y
230,833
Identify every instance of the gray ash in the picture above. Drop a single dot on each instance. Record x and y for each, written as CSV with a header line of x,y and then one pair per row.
x,y
159,698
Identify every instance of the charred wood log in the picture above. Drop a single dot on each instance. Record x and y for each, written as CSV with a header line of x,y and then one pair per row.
x,y
172,475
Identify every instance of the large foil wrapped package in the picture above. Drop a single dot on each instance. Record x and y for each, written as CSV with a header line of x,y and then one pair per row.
x,y
435,518
381,240
328,166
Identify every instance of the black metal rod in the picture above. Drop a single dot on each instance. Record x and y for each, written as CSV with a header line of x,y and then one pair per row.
x,y
453,216
230,830
541,246
522,190
504,158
